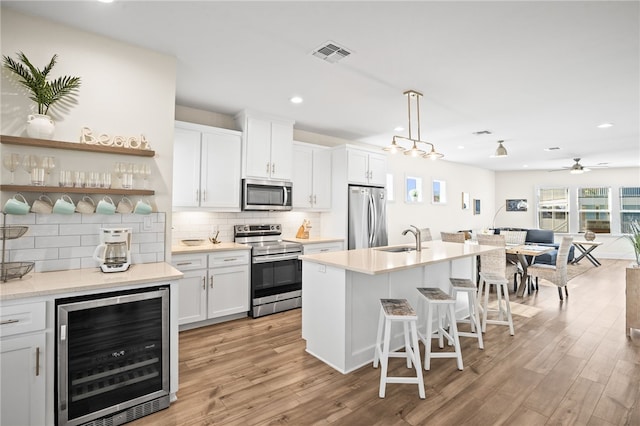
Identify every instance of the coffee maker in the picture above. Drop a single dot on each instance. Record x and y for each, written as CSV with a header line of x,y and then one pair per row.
x,y
114,251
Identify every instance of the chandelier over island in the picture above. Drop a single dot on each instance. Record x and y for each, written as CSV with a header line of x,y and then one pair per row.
x,y
414,151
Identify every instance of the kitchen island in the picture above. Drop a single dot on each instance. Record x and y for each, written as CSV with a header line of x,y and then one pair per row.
x,y
341,292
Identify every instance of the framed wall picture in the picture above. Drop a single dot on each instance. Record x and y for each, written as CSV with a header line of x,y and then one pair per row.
x,y
413,188
476,206
466,201
439,192
517,205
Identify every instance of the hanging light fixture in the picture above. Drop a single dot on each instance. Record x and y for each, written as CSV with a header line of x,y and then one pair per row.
x,y
414,151
501,151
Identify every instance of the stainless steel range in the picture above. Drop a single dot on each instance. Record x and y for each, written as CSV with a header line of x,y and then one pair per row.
x,y
276,272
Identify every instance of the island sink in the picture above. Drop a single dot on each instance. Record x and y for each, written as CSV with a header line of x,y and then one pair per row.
x,y
396,249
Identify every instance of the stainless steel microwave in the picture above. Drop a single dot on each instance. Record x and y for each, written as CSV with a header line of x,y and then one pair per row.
x,y
266,194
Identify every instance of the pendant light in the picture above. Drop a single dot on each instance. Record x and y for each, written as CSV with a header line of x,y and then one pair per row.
x,y
414,151
501,151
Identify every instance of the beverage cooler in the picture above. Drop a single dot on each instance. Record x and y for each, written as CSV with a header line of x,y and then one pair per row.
x,y
112,356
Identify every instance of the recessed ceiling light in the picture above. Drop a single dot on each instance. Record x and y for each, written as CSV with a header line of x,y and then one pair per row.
x,y
525,166
399,129
605,125
296,100
552,148
460,146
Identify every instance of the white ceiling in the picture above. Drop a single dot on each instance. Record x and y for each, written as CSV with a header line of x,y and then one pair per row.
x,y
536,74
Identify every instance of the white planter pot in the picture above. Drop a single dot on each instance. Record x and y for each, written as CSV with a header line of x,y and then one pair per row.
x,y
40,126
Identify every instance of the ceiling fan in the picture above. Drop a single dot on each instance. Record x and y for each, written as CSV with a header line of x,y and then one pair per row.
x,y
578,168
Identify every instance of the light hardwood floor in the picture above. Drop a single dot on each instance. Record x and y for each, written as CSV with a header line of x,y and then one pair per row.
x,y
568,363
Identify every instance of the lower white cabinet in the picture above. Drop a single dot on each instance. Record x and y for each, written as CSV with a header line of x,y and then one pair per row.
x,y
22,364
314,248
214,285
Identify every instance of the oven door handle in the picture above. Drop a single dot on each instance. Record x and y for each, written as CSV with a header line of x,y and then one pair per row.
x,y
276,257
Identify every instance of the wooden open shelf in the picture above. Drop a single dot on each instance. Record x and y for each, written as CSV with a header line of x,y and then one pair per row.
x,y
72,190
44,143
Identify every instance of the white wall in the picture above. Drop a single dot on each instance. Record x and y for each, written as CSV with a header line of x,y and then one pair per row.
x,y
126,90
449,217
515,185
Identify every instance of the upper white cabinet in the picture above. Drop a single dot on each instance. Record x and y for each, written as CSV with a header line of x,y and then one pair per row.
x,y
366,167
267,146
206,167
311,177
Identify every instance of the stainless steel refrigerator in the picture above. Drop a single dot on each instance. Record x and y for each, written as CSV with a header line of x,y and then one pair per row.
x,y
367,217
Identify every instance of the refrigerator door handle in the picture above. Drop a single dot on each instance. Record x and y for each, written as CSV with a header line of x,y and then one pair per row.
x,y
373,220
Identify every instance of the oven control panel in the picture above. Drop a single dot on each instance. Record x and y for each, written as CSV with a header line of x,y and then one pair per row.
x,y
264,229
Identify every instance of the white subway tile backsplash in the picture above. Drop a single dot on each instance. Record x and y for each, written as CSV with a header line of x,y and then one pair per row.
x,y
31,255
60,242
187,225
57,265
43,230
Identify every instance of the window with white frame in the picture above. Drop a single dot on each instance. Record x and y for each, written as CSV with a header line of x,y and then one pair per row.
x,y
553,209
629,207
594,209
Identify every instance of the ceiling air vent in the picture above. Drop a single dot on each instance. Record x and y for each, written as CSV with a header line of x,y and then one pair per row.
x,y
330,52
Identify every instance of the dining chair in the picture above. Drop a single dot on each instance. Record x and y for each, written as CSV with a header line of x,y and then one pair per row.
x,y
515,238
557,274
425,234
452,237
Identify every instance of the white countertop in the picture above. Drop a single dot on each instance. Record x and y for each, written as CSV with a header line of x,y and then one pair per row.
x,y
76,280
208,247
314,240
372,261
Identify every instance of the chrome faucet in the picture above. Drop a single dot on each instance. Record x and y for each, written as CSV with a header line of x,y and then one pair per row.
x,y
416,233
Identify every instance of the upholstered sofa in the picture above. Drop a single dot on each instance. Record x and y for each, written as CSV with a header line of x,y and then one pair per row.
x,y
543,237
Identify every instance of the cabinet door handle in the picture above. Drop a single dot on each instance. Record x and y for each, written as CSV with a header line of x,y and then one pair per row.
x,y
211,281
268,167
204,283
323,250
315,200
37,361
204,195
183,263
273,168
9,321
230,259
197,195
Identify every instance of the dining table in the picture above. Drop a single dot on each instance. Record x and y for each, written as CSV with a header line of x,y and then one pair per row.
x,y
522,251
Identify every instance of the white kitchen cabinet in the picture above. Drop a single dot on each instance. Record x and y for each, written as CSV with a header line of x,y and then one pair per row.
x,y
366,167
267,146
206,167
311,177
314,248
22,364
214,285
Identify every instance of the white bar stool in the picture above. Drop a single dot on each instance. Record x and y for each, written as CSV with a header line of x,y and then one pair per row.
x,y
467,286
487,279
398,310
444,305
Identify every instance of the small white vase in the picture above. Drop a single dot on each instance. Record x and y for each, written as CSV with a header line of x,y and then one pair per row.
x,y
40,126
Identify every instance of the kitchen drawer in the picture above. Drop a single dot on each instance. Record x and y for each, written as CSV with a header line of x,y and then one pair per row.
x,y
189,262
321,247
229,258
24,318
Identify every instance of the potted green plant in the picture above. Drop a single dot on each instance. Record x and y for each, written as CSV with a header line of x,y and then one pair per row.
x,y
634,237
44,93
